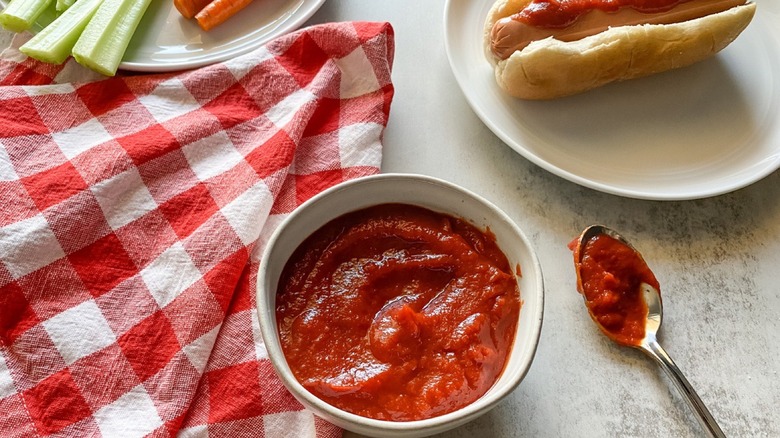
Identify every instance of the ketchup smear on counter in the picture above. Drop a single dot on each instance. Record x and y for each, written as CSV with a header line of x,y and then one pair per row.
x,y
397,313
610,277
562,13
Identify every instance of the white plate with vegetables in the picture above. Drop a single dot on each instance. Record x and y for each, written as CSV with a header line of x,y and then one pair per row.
x,y
166,41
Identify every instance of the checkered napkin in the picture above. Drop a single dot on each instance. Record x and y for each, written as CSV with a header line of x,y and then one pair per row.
x,y
133,211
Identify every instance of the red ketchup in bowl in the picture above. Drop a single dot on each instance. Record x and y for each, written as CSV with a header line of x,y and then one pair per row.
x,y
396,312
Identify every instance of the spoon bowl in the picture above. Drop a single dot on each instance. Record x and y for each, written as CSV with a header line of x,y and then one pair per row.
x,y
655,311
651,297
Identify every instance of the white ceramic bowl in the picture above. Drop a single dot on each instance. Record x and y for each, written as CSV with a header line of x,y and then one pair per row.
x,y
436,195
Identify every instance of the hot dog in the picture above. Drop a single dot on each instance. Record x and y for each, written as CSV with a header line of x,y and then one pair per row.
x,y
544,49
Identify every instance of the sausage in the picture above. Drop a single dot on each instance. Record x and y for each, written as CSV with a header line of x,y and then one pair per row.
x,y
512,33
598,47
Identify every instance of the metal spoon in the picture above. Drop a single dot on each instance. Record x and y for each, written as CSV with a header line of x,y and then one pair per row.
x,y
649,343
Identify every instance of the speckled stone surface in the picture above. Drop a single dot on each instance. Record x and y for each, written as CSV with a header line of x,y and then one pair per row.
x,y
718,261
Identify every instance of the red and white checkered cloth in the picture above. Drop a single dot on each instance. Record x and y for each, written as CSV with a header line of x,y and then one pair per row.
x,y
132,214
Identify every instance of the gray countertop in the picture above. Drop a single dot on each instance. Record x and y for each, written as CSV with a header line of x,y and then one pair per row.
x,y
717,259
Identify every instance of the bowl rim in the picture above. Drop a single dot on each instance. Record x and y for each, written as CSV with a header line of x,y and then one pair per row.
x,y
276,356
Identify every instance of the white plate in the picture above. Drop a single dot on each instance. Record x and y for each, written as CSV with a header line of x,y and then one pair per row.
x,y
691,133
166,41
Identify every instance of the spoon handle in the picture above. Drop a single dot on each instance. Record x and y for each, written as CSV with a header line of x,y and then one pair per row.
x,y
654,350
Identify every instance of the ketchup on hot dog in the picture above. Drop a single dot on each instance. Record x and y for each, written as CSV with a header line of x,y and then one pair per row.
x,y
562,13
571,20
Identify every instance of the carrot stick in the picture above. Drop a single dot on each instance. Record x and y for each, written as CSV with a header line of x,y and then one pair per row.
x,y
188,8
218,11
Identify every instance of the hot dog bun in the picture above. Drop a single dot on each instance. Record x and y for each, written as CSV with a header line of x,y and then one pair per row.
x,y
549,68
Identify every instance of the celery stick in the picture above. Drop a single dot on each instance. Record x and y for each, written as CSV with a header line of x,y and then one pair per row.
x,y
105,39
46,18
55,42
19,15
63,5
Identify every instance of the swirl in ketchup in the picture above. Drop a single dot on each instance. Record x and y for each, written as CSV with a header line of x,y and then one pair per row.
x,y
397,312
